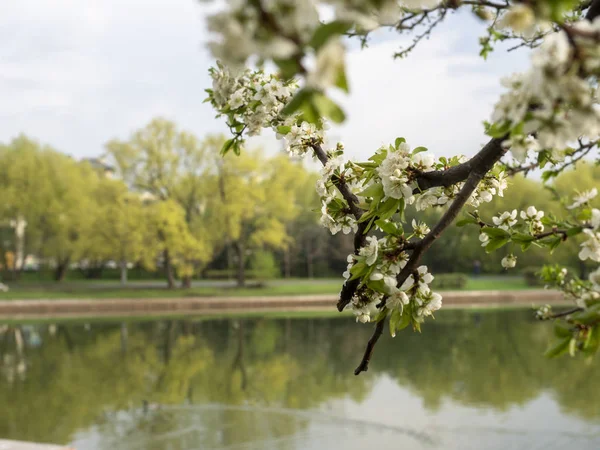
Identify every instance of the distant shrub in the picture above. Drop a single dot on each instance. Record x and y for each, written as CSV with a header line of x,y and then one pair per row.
x,y
264,265
450,281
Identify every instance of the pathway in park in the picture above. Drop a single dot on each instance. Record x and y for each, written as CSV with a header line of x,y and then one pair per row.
x,y
18,309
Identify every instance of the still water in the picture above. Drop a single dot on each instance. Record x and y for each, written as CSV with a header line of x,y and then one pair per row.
x,y
470,381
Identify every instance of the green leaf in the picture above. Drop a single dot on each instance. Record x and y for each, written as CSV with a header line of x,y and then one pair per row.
x,y
387,227
388,208
381,315
326,31
562,329
341,80
558,349
284,129
466,221
589,316
287,67
496,243
497,130
495,232
419,150
574,231
375,190
521,237
227,146
297,101
328,108
358,270
399,141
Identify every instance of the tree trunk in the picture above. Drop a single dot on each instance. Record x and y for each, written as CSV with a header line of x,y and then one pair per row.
x,y
123,272
287,263
61,270
309,261
241,269
169,270
186,282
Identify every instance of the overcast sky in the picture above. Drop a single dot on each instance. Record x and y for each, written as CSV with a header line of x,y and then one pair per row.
x,y
74,74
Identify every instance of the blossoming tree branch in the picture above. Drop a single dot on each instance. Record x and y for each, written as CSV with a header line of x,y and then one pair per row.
x,y
548,118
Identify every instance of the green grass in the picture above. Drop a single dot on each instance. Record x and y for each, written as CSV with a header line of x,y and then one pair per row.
x,y
496,283
283,288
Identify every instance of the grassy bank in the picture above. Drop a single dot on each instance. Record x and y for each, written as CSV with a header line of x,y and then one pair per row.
x,y
276,288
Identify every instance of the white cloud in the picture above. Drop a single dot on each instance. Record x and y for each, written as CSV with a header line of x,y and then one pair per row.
x,y
436,98
75,74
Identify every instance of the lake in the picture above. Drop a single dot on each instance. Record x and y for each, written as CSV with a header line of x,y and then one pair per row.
x,y
471,380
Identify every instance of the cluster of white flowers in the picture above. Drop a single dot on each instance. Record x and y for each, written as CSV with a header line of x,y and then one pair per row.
x,y
590,248
552,105
243,30
254,100
533,218
425,301
399,171
506,220
385,263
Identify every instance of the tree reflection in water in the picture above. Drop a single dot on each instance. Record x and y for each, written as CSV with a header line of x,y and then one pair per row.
x,y
140,385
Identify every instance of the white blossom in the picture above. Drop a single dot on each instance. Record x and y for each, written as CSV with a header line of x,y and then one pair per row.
x,y
532,214
370,251
420,229
583,198
591,247
506,220
484,239
509,261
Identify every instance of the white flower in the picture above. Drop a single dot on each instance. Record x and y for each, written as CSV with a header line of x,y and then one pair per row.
x,y
433,302
583,198
363,317
484,239
532,214
595,221
397,300
425,201
506,220
370,251
420,229
594,278
590,248
486,196
520,18
237,99
509,261
500,183
423,161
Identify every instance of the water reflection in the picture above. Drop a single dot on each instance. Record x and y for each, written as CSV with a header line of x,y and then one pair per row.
x,y
469,381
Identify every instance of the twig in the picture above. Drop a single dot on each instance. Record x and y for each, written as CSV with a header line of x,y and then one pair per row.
x,y
479,165
364,364
563,313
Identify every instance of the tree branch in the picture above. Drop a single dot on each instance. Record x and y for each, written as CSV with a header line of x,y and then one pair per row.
x,y
364,364
594,10
479,165
456,174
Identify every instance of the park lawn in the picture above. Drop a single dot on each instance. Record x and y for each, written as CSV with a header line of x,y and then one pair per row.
x,y
282,288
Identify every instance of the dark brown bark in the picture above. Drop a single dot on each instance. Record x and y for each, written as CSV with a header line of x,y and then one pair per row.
x,y
169,270
186,282
61,269
287,264
241,265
